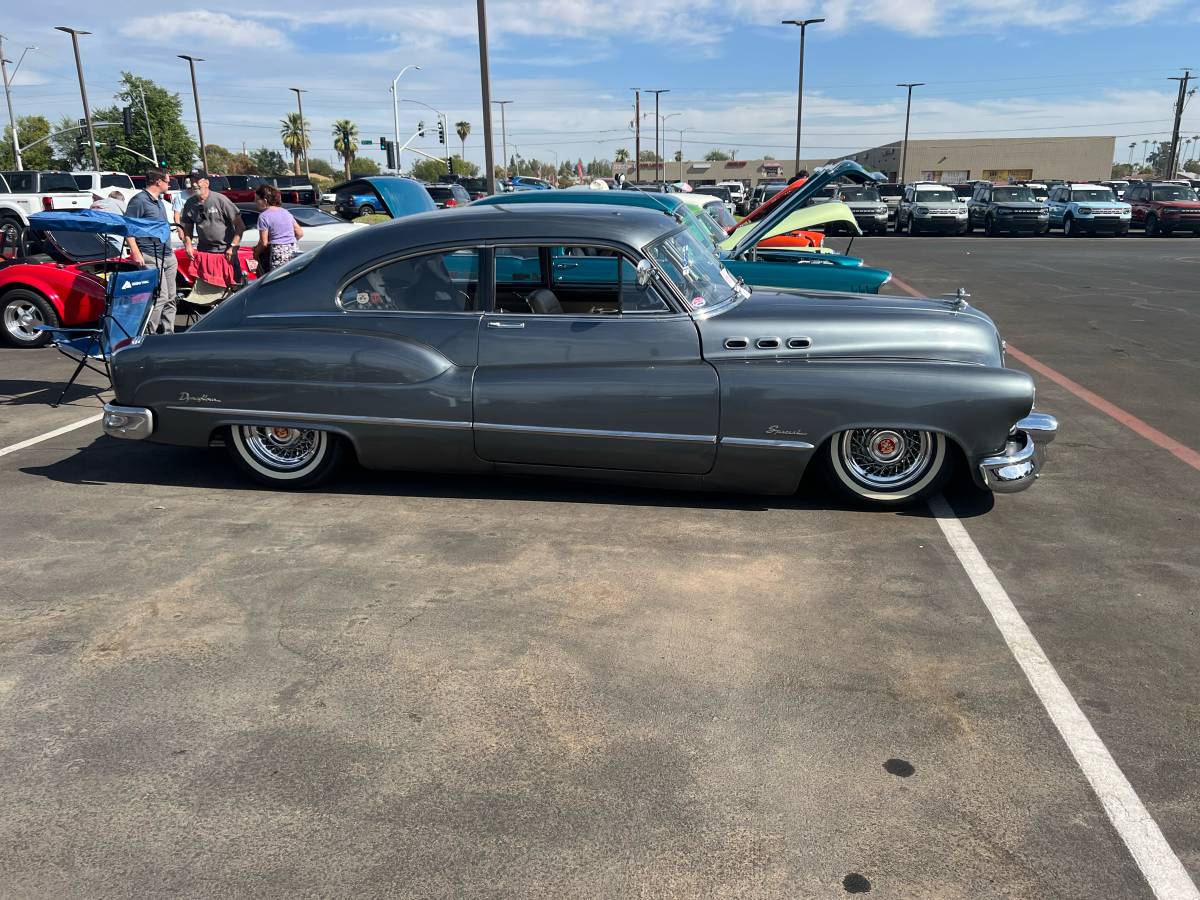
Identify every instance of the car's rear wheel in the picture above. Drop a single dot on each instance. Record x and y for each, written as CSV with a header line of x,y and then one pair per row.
x,y
21,311
366,210
887,467
10,230
285,457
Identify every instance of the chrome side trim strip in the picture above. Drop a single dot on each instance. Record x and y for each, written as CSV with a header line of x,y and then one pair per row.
x,y
318,417
598,433
764,444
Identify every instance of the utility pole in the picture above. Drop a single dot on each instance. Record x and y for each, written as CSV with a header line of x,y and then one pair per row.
x,y
192,60
303,130
87,112
637,134
658,157
504,134
150,131
1173,153
803,25
485,83
12,121
907,116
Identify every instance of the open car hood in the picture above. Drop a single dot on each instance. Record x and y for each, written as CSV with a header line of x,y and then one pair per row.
x,y
829,213
846,169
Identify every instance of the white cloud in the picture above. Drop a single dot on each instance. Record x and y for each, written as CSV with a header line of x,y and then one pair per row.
x,y
204,28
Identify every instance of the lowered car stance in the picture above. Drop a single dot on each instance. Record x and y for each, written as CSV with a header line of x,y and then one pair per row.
x,y
453,342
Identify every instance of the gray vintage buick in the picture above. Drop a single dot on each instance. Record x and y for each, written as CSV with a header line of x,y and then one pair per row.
x,y
589,341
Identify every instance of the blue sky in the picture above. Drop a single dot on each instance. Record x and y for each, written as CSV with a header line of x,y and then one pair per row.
x,y
1004,69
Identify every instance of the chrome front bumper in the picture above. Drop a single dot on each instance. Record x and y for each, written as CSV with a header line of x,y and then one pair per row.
x,y
132,423
1024,454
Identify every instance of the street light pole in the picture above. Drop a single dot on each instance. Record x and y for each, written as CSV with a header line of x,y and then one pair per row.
x,y
907,115
192,60
149,130
485,84
396,112
681,156
803,24
303,130
503,133
658,157
87,112
12,121
637,134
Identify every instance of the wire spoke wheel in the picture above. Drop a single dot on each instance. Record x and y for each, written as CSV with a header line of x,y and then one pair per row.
x,y
281,448
888,466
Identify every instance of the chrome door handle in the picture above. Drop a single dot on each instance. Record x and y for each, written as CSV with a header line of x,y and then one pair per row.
x,y
506,325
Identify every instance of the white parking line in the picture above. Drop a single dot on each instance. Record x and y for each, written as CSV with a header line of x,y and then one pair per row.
x,y
13,448
1165,874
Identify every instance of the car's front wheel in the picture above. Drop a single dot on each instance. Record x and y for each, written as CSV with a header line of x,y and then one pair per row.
x,y
285,457
1069,229
912,226
21,311
989,226
1152,229
366,210
887,467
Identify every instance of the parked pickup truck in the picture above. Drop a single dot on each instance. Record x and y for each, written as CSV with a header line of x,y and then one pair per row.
x,y
104,184
22,193
242,187
294,189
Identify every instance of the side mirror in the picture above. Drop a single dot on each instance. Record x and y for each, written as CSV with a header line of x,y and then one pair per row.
x,y
645,270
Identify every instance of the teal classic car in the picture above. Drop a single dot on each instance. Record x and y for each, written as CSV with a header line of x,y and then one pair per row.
x,y
773,268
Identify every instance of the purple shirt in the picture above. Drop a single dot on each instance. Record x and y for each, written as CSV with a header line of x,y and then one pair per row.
x,y
278,224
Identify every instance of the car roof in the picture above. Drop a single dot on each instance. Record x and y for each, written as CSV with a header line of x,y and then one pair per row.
x,y
643,199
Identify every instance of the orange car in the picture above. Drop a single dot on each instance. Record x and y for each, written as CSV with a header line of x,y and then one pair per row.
x,y
796,240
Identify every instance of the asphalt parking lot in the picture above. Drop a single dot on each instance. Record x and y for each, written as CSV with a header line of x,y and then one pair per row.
x,y
414,686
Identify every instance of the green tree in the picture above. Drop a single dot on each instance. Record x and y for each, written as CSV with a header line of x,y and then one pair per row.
x,y
70,144
29,129
463,128
318,166
268,162
364,165
433,169
172,142
345,142
715,155
241,164
296,141
219,159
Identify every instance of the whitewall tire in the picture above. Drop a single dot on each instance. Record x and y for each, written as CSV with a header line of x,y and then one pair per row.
x,y
282,456
887,467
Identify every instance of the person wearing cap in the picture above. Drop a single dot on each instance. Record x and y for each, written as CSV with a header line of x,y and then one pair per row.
x,y
111,204
148,204
212,231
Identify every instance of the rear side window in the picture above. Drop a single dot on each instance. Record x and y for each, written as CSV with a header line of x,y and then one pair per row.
x,y
58,182
25,182
117,181
83,182
443,282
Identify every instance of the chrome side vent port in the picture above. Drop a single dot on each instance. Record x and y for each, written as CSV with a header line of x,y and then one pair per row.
x,y
737,343
768,343
799,343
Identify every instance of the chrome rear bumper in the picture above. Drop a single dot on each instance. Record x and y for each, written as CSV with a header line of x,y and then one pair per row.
x,y
1024,455
132,423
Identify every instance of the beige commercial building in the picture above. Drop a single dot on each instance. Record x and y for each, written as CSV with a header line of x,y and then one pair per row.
x,y
748,171
994,159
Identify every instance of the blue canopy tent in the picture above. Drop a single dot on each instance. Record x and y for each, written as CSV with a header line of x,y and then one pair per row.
x,y
128,296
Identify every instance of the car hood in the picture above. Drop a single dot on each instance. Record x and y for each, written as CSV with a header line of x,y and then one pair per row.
x,y
855,326
823,177
828,213
1175,204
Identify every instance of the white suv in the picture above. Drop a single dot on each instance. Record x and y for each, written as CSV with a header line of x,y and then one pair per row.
x,y
929,206
104,184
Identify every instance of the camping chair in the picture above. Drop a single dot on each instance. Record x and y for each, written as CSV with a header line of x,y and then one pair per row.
x,y
128,296
204,297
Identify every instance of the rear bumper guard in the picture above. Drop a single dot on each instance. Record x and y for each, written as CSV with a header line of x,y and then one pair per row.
x,y
131,423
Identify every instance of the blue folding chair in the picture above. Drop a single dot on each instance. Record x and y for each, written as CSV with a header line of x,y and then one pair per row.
x,y
128,301
128,296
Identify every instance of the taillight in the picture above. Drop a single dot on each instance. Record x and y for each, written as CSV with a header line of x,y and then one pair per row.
x,y
167,196
47,203
452,202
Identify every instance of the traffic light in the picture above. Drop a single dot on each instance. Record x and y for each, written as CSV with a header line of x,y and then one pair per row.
x,y
127,120
450,164
441,132
382,143
420,129
389,147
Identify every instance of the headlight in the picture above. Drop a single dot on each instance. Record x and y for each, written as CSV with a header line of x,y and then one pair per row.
x,y
961,213
1043,213
1085,210
1170,212
1004,212
921,211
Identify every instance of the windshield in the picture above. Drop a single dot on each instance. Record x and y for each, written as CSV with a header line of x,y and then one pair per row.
x,y
890,190
695,270
1094,195
1173,192
936,195
701,222
717,210
771,190
860,194
59,182
309,216
964,191
1014,194
713,191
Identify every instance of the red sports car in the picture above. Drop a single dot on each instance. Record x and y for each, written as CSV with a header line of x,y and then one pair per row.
x,y
63,283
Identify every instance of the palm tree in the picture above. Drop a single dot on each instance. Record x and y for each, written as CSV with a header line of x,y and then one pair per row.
x,y
463,128
1145,151
294,132
622,155
1132,147
345,142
